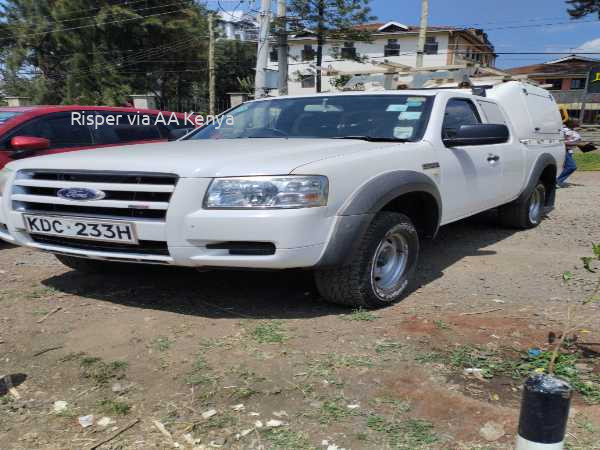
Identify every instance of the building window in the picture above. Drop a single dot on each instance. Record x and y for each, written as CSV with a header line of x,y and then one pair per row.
x,y
556,84
274,54
308,81
392,48
348,51
308,54
431,46
578,83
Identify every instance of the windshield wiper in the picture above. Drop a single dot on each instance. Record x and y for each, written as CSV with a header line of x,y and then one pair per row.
x,y
374,138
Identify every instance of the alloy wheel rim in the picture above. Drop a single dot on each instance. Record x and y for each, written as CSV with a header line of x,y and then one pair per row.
x,y
389,263
535,206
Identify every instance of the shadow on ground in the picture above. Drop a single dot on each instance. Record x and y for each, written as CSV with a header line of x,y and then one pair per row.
x,y
264,294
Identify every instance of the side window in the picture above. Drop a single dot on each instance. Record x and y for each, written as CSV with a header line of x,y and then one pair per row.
x,y
492,113
57,129
126,132
459,112
63,134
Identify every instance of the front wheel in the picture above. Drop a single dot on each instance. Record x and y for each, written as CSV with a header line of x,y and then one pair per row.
x,y
382,268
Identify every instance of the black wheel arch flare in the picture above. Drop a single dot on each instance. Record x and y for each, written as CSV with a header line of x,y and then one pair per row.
x,y
356,215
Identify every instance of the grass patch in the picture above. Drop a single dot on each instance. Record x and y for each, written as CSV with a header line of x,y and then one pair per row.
x,y
334,411
398,406
386,346
441,325
200,374
284,438
326,366
162,343
243,393
493,363
360,314
217,422
101,372
271,332
408,434
212,344
587,161
117,407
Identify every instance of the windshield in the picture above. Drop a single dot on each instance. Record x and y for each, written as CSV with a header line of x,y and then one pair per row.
x,y
393,117
5,116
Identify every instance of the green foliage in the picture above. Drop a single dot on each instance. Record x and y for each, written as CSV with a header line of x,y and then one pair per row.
x,y
269,333
285,439
587,161
118,407
162,343
103,51
494,363
334,411
101,372
340,81
581,8
360,315
330,20
409,434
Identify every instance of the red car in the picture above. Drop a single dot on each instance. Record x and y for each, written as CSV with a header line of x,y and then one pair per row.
x,y
43,130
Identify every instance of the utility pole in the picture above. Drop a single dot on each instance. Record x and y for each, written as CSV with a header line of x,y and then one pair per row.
x,y
262,55
422,32
282,53
211,66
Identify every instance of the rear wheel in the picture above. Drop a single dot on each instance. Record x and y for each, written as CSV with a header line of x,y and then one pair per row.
x,y
528,213
382,268
94,266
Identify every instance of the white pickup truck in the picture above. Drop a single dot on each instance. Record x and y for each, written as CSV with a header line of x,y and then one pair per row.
x,y
343,184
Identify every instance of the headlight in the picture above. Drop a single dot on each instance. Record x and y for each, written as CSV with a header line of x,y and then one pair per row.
x,y
267,192
3,179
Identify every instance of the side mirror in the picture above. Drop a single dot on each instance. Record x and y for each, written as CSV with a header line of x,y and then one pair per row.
x,y
29,143
178,133
479,134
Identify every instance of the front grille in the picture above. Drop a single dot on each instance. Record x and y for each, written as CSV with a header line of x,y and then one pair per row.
x,y
128,195
103,177
143,248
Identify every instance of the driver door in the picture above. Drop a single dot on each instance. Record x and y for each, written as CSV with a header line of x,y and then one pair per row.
x,y
471,176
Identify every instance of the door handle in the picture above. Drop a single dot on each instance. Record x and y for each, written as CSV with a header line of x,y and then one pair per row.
x,y
493,158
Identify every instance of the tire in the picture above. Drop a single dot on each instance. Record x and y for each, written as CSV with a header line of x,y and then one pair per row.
x,y
525,214
94,266
391,241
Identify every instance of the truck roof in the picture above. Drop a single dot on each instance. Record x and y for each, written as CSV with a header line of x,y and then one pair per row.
x,y
420,92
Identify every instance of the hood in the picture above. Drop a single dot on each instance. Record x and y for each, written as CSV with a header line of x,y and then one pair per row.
x,y
204,158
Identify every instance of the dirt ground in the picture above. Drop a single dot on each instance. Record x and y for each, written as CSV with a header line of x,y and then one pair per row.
x,y
240,359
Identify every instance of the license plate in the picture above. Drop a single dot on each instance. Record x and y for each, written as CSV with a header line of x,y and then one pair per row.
x,y
77,228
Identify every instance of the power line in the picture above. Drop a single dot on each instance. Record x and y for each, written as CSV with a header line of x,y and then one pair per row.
x,y
102,23
52,22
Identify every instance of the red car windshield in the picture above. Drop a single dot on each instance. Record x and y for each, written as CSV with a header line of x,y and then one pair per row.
x,y
5,116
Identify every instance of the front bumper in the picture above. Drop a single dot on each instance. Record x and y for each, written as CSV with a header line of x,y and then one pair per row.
x,y
298,235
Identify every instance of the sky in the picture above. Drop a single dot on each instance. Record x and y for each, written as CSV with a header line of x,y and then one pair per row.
x,y
546,26
512,25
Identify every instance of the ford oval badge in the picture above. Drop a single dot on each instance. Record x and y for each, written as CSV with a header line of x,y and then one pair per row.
x,y
81,194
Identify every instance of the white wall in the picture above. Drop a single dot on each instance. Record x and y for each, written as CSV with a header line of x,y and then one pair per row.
x,y
372,50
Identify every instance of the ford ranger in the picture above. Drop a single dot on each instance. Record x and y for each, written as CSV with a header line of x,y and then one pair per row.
x,y
344,184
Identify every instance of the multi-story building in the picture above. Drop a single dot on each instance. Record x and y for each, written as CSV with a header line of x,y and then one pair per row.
x,y
392,41
566,79
237,25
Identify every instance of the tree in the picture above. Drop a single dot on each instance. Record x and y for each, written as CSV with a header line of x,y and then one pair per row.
x,y
101,51
581,8
330,20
